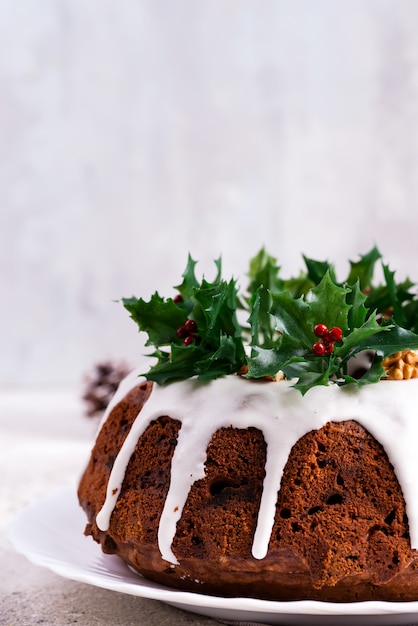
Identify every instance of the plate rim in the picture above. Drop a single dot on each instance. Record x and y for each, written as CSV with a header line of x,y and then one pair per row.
x,y
185,599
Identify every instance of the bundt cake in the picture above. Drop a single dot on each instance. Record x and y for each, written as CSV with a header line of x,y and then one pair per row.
x,y
286,471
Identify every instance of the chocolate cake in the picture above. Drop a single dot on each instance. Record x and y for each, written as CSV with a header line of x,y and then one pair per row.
x,y
291,484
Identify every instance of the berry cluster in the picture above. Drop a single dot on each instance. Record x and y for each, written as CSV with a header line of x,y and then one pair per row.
x,y
187,332
329,337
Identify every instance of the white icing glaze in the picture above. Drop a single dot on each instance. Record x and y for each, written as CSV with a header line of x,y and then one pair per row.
x,y
388,410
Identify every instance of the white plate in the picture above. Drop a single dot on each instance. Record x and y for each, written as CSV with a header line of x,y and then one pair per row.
x,y
50,533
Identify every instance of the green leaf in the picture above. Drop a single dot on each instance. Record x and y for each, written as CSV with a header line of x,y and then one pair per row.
x,y
181,363
354,342
328,303
264,280
159,318
253,320
372,375
281,315
215,312
318,269
264,272
311,378
363,269
291,317
190,282
358,312
398,312
387,343
263,362
411,313
222,361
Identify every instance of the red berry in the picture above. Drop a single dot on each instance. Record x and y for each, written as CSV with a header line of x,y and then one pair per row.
x,y
191,326
329,347
188,340
326,338
335,334
320,330
178,299
318,348
182,332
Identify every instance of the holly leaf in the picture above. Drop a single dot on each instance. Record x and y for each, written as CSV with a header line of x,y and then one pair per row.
x,y
358,312
363,269
396,303
318,269
291,318
372,375
264,280
328,303
282,315
354,342
276,358
311,377
215,313
159,318
258,337
181,363
222,361
190,282
264,271
387,343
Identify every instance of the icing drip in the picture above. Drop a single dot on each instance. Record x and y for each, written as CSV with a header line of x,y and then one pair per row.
x,y
388,410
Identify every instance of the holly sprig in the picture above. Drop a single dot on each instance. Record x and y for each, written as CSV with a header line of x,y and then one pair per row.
x,y
211,346
197,332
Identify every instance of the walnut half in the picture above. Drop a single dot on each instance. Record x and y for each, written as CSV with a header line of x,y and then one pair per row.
x,y
401,365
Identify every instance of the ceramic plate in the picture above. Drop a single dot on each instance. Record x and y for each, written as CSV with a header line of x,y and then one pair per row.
x,y
50,533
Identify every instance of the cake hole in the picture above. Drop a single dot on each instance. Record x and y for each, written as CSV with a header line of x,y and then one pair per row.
x,y
295,527
335,498
324,462
285,513
395,559
197,541
321,447
314,509
389,519
218,486
340,480
377,529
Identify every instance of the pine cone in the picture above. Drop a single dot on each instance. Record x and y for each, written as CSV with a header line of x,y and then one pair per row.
x,y
101,384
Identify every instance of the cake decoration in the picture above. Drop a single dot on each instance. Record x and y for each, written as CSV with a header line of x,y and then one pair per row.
x,y
198,332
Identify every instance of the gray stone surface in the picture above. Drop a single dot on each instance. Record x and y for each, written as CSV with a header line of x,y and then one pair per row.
x,y
30,595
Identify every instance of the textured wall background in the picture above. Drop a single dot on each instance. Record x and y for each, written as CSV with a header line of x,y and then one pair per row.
x,y
134,132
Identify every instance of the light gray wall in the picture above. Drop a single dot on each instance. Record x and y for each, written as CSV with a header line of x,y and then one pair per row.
x,y
134,132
